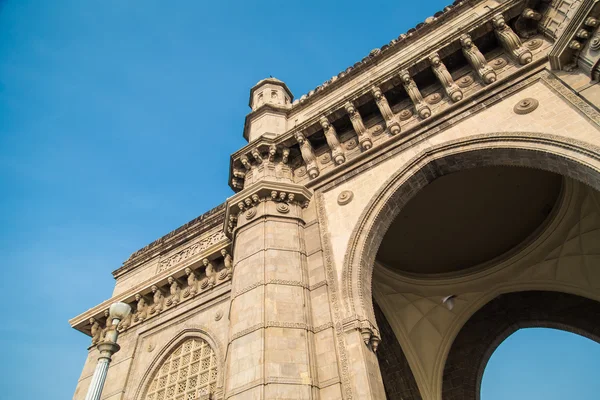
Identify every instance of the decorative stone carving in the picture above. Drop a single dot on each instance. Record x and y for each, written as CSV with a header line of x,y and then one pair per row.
x,y
125,323
534,44
529,13
285,153
190,251
476,59
345,197
422,109
257,156
141,308
359,127
246,163
218,315
96,330
228,261
300,172
434,98
385,110
272,153
308,155
192,284
405,114
283,208
175,292
595,42
351,144
108,325
337,152
442,74
325,158
510,41
498,63
158,300
464,81
526,106
251,213
210,272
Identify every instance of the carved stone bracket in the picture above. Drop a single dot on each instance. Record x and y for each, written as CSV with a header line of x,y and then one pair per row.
x,y
384,108
337,152
308,155
444,77
477,59
510,41
422,109
364,139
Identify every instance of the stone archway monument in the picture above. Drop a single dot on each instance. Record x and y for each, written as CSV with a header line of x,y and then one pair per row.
x,y
338,252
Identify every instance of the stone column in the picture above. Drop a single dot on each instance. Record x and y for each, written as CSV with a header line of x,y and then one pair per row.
x,y
271,354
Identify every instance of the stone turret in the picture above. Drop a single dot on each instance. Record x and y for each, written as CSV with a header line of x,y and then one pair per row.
x,y
270,100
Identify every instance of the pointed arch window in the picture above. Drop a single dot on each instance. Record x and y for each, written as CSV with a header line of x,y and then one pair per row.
x,y
189,373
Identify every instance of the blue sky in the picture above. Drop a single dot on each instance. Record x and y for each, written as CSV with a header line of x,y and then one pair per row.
x,y
117,119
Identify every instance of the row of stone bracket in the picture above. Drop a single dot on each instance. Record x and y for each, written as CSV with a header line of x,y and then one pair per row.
x,y
510,42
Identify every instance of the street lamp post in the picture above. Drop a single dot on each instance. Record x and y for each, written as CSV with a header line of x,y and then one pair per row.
x,y
108,347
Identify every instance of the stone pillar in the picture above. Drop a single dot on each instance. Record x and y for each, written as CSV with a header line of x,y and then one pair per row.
x,y
271,347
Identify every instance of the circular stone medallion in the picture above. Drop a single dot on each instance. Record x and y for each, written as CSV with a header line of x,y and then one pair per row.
x,y
498,63
325,158
251,213
350,144
526,106
405,114
465,81
301,171
534,44
218,315
434,98
283,208
345,197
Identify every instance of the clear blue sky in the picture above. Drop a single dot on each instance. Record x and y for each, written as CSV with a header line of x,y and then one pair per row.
x,y
117,119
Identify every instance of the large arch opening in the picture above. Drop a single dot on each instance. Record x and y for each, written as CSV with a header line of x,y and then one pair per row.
x,y
493,196
542,363
500,318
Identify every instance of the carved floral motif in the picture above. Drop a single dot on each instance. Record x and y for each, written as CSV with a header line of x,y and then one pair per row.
x,y
190,251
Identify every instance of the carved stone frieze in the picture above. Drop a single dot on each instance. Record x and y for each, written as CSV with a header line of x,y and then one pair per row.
x,y
190,251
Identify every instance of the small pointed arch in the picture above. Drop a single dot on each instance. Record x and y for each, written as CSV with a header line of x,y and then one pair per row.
x,y
190,366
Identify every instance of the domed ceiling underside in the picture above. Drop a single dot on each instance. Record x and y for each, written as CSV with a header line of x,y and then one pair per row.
x,y
467,218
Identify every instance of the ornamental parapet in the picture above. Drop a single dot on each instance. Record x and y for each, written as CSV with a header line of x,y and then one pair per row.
x,y
395,90
192,272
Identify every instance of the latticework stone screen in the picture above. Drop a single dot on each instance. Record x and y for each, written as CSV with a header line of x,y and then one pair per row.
x,y
189,373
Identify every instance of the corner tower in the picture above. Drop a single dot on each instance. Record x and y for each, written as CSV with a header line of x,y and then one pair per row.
x,y
270,100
